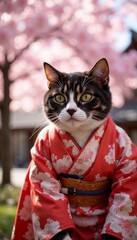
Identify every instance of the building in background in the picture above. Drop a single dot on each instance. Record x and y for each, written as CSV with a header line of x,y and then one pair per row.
x,y
24,129
126,116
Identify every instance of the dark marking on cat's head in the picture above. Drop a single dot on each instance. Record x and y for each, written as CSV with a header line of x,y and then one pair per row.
x,y
94,82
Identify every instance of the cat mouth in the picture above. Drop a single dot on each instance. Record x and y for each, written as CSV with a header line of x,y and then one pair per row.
x,y
73,123
73,119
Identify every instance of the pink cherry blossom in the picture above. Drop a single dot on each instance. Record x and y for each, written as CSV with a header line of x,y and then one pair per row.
x,y
32,32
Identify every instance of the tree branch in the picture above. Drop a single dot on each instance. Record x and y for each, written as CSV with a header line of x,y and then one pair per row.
x,y
24,49
25,75
75,48
47,34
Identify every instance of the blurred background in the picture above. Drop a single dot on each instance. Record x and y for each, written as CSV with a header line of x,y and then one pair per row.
x,y
71,35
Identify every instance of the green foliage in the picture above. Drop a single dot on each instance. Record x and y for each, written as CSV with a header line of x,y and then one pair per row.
x,y
9,196
7,214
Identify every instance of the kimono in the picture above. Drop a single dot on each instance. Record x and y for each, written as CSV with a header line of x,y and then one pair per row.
x,y
43,210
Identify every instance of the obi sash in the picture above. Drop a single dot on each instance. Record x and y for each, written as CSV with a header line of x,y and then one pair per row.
x,y
83,193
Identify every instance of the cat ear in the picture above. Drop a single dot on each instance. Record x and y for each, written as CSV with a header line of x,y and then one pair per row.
x,y
100,71
51,73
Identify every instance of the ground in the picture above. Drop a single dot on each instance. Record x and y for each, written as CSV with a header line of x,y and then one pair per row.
x,y
8,203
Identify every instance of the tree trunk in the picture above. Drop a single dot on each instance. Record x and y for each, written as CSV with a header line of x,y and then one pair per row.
x,y
5,131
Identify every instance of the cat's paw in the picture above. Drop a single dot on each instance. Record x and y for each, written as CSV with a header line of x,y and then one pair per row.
x,y
62,236
67,237
109,237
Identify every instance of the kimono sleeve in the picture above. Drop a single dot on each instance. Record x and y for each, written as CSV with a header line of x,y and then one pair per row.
x,y
50,208
121,220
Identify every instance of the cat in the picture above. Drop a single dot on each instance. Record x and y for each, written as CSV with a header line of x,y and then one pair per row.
x,y
78,103
81,181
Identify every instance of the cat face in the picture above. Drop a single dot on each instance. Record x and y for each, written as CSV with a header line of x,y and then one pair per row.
x,y
77,99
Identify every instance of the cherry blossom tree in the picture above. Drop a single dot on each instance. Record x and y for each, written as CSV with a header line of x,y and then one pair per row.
x,y
71,35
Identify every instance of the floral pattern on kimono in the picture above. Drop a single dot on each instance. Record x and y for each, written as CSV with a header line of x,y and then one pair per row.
x,y
43,210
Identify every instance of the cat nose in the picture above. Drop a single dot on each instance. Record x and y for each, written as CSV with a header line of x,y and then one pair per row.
x,y
71,111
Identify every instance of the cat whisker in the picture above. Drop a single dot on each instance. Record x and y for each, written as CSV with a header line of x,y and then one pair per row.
x,y
36,130
52,117
40,125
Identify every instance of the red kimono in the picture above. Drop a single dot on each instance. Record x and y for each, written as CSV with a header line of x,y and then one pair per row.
x,y
44,210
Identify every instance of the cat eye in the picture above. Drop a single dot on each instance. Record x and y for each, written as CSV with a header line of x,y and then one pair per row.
x,y
86,97
60,98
